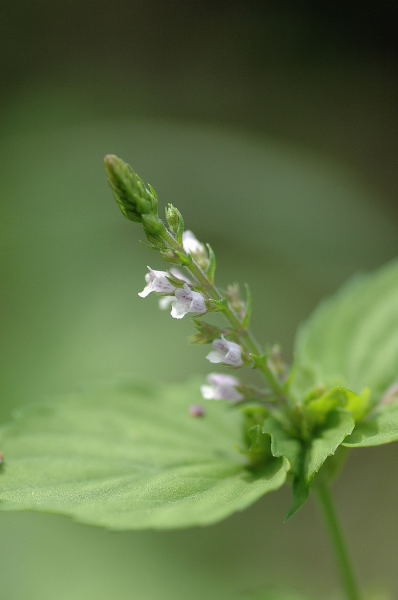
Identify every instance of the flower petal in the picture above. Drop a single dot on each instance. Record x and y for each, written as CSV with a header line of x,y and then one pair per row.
x,y
215,357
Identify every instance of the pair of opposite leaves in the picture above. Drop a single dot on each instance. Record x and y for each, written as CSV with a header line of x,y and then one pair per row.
x,y
130,457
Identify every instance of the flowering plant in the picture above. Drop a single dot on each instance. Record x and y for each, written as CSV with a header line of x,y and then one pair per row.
x,y
136,455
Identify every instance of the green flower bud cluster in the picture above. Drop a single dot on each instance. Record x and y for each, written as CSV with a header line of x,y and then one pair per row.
x,y
136,200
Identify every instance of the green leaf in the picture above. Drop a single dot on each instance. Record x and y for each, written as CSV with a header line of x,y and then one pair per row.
x,y
339,424
380,428
323,445
300,491
320,407
357,404
283,444
131,457
352,339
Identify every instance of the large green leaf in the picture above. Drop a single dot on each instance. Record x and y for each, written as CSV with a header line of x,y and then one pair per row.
x,y
380,428
283,443
339,424
325,443
352,339
131,457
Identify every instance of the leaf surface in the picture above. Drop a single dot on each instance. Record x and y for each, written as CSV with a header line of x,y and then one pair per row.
x,y
352,339
131,457
380,428
340,423
283,444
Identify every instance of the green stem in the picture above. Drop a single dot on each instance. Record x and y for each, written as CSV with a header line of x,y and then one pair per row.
x,y
339,545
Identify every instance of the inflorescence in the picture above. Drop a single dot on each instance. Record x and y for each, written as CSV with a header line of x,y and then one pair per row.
x,y
188,288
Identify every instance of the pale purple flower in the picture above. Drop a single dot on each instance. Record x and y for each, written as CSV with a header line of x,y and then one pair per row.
x,y
156,281
191,244
165,302
187,301
226,352
221,387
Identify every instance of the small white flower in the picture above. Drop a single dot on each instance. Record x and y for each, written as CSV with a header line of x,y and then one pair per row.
x,y
156,282
221,387
226,352
191,244
165,302
187,301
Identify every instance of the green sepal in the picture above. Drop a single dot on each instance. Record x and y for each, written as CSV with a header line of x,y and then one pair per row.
x,y
176,222
211,267
248,307
218,305
206,332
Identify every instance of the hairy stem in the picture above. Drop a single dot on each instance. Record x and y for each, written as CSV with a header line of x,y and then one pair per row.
x,y
344,565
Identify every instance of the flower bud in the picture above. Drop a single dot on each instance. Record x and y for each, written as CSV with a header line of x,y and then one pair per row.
x,y
196,410
195,248
175,221
134,198
153,226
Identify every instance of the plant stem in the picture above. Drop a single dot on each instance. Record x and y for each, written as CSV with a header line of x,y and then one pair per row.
x,y
339,545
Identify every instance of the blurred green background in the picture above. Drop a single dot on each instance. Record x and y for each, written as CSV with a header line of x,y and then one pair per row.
x,y
272,126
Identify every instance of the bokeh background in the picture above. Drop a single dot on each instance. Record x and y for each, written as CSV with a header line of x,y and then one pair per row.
x,y
273,127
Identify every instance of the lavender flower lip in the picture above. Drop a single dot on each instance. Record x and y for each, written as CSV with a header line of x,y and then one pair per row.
x,y
221,387
226,352
187,301
156,281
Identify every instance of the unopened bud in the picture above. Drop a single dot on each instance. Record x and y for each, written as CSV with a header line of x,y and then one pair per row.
x,y
196,410
175,221
134,198
153,226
